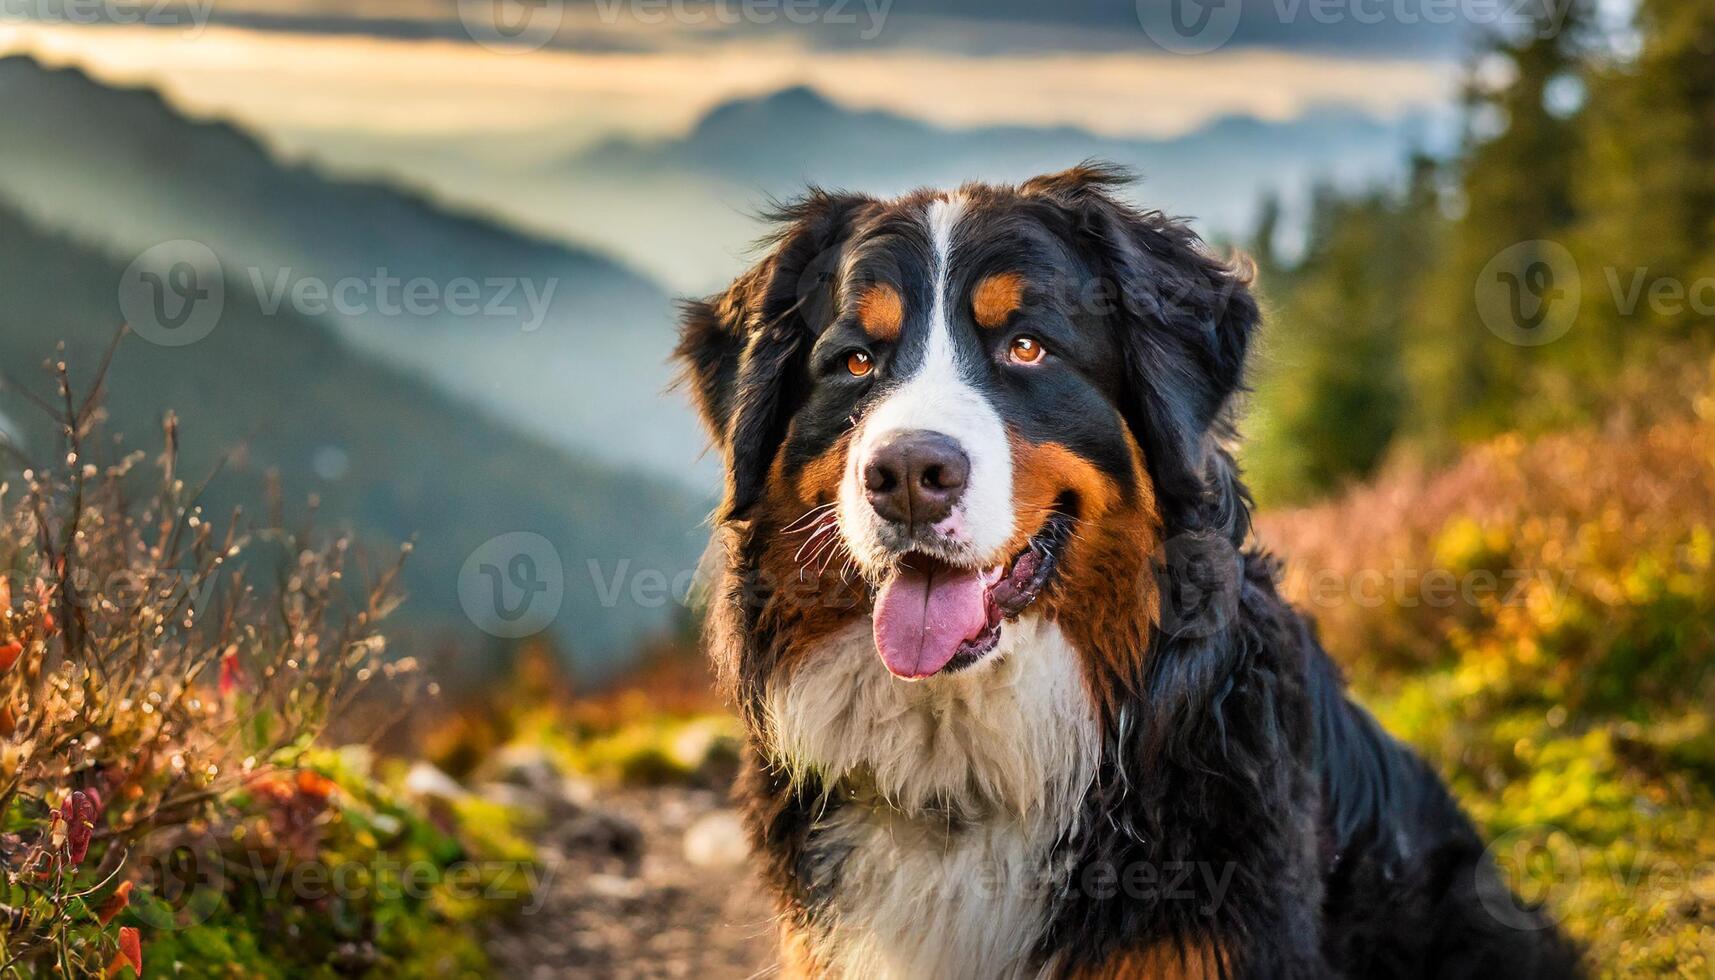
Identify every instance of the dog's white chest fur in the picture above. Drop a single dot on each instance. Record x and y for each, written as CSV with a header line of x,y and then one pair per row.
x,y
963,783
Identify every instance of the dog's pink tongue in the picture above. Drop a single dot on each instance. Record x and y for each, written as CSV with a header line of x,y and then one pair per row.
x,y
922,615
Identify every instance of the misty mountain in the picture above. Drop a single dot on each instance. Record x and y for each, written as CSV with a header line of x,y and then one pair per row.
x,y
388,455
742,152
561,341
798,135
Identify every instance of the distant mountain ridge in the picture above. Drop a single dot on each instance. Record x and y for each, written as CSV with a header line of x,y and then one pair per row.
x,y
564,342
744,152
798,130
389,456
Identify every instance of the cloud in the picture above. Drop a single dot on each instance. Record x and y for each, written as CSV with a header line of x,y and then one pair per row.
x,y
1417,29
286,83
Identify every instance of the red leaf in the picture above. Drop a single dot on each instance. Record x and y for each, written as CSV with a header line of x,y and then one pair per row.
x,y
230,673
115,903
130,953
315,785
79,815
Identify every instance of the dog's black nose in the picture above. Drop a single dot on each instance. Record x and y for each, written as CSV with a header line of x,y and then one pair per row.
x,y
916,477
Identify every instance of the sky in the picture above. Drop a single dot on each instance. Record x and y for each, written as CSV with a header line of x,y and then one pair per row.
x,y
471,101
575,72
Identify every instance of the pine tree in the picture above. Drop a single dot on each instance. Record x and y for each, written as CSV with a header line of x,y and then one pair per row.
x,y
1649,187
1474,367
1333,394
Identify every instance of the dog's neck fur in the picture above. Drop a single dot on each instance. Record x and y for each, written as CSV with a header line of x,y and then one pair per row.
x,y
953,794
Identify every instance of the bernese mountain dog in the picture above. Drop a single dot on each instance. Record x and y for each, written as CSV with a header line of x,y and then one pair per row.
x,y
1021,698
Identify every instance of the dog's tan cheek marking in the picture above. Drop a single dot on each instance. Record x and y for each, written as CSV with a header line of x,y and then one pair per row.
x,y
807,595
996,298
881,311
797,962
819,480
1105,596
1165,961
1043,472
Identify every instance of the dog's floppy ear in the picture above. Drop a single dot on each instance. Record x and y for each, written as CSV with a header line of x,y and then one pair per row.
x,y
743,350
1185,322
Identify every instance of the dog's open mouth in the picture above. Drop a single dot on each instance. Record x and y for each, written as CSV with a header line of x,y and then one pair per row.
x,y
933,617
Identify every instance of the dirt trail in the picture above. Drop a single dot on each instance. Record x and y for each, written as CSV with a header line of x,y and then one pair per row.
x,y
625,902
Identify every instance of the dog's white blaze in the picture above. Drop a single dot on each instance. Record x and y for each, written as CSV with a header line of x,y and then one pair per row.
x,y
938,398
1012,749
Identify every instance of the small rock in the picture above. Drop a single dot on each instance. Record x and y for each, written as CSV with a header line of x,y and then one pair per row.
x,y
615,886
603,835
717,840
578,791
529,766
532,769
526,802
426,781
708,752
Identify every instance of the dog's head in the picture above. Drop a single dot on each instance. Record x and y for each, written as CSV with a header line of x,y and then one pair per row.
x,y
949,408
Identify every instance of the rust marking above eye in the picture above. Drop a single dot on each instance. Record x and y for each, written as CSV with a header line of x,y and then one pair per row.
x,y
881,311
996,298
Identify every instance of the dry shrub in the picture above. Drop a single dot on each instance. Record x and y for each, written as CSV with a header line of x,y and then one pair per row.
x,y
1569,705
155,662
1373,565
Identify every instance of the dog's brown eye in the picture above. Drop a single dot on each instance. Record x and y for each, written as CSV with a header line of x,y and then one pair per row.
x,y
1026,350
859,363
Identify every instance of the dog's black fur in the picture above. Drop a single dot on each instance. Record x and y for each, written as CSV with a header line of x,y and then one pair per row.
x,y
1233,748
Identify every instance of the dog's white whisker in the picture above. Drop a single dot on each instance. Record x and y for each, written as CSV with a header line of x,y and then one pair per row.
x,y
811,516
